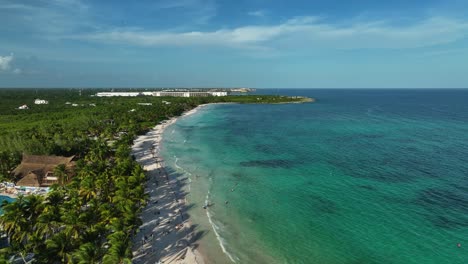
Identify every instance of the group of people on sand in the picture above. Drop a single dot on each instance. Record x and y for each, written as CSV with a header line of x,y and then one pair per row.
x,y
164,228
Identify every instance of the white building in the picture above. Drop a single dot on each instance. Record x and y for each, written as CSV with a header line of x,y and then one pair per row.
x,y
218,93
126,94
189,94
110,94
40,101
162,93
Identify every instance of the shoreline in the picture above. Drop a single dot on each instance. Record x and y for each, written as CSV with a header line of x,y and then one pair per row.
x,y
9,195
166,235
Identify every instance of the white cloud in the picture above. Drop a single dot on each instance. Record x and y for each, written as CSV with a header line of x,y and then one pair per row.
x,y
195,11
45,17
257,13
5,62
303,32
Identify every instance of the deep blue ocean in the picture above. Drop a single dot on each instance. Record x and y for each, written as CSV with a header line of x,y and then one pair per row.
x,y
359,176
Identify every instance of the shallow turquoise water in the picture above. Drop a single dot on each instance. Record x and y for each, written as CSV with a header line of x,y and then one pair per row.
x,y
361,176
4,198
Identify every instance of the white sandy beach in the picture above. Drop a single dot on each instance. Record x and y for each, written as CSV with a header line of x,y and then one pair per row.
x,y
167,235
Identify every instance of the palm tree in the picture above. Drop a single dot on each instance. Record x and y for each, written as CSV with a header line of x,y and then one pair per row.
x,y
53,201
88,253
73,224
87,188
98,152
33,205
14,221
46,225
60,171
59,246
119,251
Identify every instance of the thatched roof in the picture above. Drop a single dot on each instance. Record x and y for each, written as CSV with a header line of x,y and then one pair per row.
x,y
52,160
33,168
31,179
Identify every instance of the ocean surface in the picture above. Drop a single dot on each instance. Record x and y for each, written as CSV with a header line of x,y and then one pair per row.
x,y
360,176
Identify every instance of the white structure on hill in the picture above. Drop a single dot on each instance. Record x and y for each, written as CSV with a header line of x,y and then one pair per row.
x,y
111,94
40,101
219,93
189,94
126,94
162,93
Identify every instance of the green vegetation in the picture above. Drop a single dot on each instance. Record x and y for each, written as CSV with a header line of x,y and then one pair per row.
x,y
93,218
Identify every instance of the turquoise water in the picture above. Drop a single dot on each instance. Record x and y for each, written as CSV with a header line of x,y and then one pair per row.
x,y
4,198
360,176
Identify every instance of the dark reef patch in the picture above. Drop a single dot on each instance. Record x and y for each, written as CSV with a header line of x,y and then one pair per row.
x,y
267,149
192,150
371,136
367,187
448,222
384,169
444,208
322,205
273,163
366,170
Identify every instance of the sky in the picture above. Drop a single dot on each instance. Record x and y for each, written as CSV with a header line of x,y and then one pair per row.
x,y
242,43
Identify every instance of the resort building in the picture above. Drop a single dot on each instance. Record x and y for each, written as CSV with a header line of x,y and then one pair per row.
x,y
23,107
38,171
189,94
162,93
126,94
218,93
40,101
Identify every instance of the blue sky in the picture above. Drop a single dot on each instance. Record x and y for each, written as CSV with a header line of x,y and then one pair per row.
x,y
243,43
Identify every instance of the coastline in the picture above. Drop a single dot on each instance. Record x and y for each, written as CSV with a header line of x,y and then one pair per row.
x,y
9,195
166,234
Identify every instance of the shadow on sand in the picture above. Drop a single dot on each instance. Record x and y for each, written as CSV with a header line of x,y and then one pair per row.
x,y
166,233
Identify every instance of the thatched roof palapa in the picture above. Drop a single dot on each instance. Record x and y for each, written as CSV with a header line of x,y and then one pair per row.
x,y
33,168
32,179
